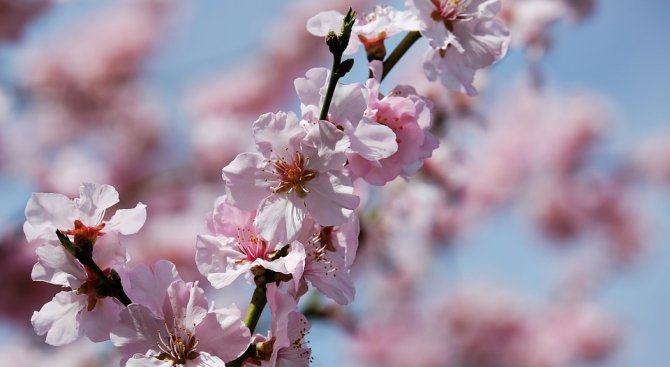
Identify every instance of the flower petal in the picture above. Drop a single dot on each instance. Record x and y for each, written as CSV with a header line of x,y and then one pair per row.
x,y
97,323
216,260
279,218
59,318
148,284
93,200
246,182
223,333
56,266
331,200
137,330
128,221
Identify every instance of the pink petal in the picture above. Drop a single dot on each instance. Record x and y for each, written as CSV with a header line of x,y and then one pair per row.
x,y
223,333
246,184
373,141
216,260
310,90
140,360
330,200
137,330
186,302
325,146
98,323
148,284
274,132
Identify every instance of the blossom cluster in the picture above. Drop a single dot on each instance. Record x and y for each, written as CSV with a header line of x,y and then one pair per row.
x,y
361,179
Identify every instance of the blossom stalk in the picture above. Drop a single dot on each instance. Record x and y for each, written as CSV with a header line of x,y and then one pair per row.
x,y
398,52
112,282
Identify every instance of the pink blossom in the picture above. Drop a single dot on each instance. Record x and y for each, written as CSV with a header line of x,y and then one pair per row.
x,y
236,247
175,325
370,29
330,252
348,112
298,172
585,331
286,341
409,117
464,36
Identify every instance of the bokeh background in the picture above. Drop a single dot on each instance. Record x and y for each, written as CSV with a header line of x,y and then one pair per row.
x,y
161,114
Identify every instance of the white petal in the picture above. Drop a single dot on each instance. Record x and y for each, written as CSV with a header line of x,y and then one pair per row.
x,y
49,212
59,318
279,218
93,200
56,266
325,22
128,221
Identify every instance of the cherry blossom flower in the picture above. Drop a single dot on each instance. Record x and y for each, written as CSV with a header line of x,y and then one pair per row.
x,y
63,319
236,247
330,252
175,326
409,117
371,140
370,30
285,345
464,36
81,218
298,172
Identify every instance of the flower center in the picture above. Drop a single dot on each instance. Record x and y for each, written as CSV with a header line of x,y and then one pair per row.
x,y
94,288
82,232
251,245
293,175
180,345
448,11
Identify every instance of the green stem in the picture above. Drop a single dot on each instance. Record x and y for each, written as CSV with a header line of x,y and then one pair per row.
x,y
256,305
258,302
332,83
399,52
